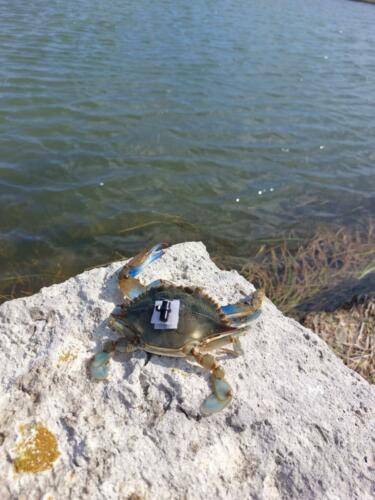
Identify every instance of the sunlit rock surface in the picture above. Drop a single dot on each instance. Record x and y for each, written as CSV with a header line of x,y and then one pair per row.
x,y
301,424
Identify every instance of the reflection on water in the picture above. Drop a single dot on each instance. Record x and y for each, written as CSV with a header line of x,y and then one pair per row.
x,y
123,123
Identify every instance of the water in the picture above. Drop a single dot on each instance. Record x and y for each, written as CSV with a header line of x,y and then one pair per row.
x,y
228,121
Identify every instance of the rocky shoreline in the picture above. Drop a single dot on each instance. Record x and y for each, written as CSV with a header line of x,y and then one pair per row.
x,y
300,425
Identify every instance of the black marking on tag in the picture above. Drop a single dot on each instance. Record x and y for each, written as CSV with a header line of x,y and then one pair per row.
x,y
164,310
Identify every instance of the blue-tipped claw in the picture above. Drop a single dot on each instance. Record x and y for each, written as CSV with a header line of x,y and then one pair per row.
x,y
229,309
99,365
238,322
242,311
212,405
128,281
99,372
222,389
141,261
101,358
219,399
246,309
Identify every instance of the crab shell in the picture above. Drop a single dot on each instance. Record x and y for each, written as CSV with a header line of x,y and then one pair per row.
x,y
201,321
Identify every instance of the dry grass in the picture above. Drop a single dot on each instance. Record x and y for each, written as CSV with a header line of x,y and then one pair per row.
x,y
318,283
293,275
351,334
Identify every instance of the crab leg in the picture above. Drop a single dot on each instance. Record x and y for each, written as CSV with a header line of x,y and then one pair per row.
x,y
129,284
244,311
237,347
222,392
99,364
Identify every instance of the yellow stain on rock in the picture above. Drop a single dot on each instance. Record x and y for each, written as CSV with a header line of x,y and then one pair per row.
x,y
37,450
180,372
66,357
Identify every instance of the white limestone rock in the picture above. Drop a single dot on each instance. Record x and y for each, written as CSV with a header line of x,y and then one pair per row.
x,y
301,424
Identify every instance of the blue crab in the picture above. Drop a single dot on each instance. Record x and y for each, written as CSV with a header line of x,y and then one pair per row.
x,y
199,325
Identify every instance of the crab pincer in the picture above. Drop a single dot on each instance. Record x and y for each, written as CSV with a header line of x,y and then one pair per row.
x,y
128,282
222,392
246,310
219,399
99,365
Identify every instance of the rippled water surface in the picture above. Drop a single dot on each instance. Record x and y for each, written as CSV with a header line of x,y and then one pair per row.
x,y
127,122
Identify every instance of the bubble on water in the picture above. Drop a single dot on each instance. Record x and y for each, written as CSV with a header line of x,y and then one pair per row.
x,y
325,57
101,184
321,147
272,189
260,192
285,150
237,200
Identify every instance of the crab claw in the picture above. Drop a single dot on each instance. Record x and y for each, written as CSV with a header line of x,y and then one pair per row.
x,y
99,365
219,399
128,281
241,322
222,392
136,265
244,311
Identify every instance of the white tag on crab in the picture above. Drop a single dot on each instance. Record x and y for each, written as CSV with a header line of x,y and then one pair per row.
x,y
173,315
